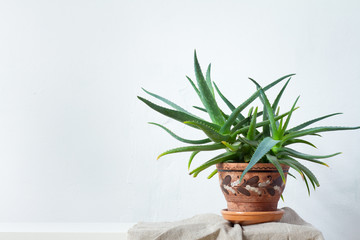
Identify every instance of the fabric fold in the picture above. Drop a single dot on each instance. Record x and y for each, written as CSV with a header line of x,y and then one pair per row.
x,y
214,227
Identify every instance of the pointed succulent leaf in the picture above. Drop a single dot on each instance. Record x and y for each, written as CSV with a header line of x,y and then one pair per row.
x,y
248,142
244,122
277,111
236,112
210,147
193,154
315,130
200,108
290,164
204,110
231,147
241,124
291,175
177,115
226,101
218,159
260,124
206,96
250,111
194,86
168,102
307,184
277,81
266,128
278,97
209,131
303,155
288,161
280,124
252,127
212,174
311,158
268,110
305,170
272,159
263,148
288,118
292,141
305,124
315,134
201,141
208,79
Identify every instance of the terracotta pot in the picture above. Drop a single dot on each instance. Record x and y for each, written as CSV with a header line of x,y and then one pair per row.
x,y
260,189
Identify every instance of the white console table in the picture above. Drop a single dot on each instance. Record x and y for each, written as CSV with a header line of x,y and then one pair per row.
x,y
64,231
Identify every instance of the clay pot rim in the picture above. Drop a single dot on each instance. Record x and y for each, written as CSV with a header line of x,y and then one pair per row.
x,y
242,166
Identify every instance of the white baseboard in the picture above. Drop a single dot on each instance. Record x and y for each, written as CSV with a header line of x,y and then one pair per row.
x,y
61,236
64,231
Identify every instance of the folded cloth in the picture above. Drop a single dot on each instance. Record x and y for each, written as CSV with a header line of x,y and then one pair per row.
x,y
212,227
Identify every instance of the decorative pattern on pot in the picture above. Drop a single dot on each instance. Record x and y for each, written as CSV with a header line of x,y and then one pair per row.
x,y
260,189
270,186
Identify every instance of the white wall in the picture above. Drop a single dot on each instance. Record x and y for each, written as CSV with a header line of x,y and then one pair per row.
x,y
74,143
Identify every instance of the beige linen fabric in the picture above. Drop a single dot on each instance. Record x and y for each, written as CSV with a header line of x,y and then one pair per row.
x,y
214,227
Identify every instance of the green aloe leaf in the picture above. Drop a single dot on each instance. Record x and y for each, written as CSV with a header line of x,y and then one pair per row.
x,y
201,141
206,96
244,122
288,118
208,79
200,108
290,164
268,110
193,154
209,147
303,125
212,174
235,114
218,159
252,127
288,161
168,102
177,115
194,86
272,159
278,97
250,111
315,130
305,170
229,122
307,184
231,147
263,148
304,156
248,142
226,101
292,175
204,110
241,124
209,131
293,141
260,124
266,128
280,125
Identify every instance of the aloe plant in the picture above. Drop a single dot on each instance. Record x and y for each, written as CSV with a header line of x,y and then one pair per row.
x,y
243,138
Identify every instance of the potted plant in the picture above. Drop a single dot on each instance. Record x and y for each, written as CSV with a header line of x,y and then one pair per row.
x,y
256,156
